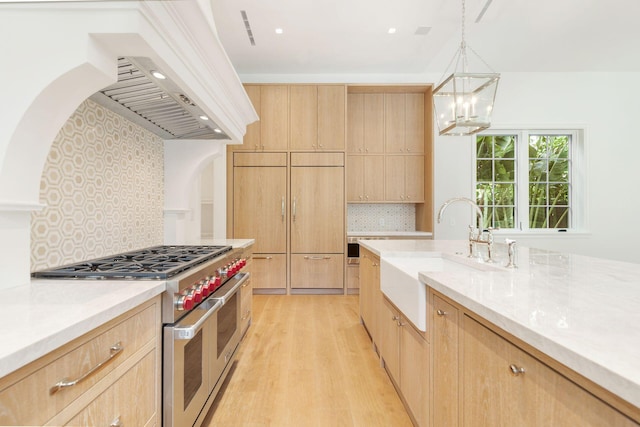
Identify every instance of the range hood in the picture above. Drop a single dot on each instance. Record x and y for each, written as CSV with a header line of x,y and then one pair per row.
x,y
156,103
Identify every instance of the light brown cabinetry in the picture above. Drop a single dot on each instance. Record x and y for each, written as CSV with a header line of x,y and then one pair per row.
x,y
317,117
290,197
370,297
444,356
269,271
403,181
270,133
404,123
394,123
513,388
127,387
353,278
365,131
365,181
260,200
482,378
292,204
317,220
405,353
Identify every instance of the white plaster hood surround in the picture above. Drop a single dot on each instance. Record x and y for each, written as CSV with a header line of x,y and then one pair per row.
x,y
57,54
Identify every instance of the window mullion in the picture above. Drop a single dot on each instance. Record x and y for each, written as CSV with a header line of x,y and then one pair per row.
x,y
522,157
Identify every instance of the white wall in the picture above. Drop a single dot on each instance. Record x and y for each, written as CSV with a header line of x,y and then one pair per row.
x,y
607,105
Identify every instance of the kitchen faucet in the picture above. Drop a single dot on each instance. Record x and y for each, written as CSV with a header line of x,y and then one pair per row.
x,y
476,235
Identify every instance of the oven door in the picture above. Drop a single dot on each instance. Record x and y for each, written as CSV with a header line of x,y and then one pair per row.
x,y
227,332
186,364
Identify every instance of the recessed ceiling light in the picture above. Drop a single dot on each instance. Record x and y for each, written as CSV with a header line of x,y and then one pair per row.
x,y
217,130
203,117
158,75
279,31
392,30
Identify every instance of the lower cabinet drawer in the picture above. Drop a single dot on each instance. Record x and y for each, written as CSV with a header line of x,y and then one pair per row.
x,y
269,271
317,271
128,402
29,396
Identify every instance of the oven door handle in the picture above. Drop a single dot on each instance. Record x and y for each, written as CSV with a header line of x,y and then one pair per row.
x,y
188,332
231,288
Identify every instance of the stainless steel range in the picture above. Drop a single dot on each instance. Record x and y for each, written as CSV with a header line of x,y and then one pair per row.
x,y
201,316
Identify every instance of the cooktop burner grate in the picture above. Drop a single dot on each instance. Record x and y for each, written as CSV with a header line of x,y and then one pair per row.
x,y
158,262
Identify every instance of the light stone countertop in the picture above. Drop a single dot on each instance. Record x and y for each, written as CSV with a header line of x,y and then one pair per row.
x,y
391,234
45,314
582,311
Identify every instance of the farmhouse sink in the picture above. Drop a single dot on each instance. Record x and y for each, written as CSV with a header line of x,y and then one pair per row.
x,y
399,278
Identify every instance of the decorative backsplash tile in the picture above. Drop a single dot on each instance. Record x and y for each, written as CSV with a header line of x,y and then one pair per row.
x,y
103,184
381,217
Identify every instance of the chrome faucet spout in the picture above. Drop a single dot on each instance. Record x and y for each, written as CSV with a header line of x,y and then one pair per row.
x,y
480,219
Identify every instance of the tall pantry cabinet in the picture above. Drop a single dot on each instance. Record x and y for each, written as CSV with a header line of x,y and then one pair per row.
x,y
288,192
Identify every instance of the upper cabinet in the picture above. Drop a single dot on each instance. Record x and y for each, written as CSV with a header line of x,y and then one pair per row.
x,y
296,118
271,102
404,123
365,115
331,117
317,114
389,145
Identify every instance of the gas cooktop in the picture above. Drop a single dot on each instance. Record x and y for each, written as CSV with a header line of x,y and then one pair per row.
x,y
157,262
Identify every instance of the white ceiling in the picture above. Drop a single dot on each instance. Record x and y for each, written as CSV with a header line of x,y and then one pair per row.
x,y
350,36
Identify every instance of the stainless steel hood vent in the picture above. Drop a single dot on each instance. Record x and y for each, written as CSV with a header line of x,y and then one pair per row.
x,y
156,104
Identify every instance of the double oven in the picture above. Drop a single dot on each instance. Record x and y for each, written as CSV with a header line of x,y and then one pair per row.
x,y
201,316
198,351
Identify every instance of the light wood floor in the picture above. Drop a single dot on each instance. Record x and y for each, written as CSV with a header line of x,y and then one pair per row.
x,y
307,361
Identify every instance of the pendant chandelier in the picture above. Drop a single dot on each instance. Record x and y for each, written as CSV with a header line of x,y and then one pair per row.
x,y
463,101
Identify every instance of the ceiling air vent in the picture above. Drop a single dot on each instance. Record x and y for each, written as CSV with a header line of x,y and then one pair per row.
x,y
158,105
247,27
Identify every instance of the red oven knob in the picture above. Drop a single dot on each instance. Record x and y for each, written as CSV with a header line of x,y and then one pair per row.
x,y
243,262
206,290
214,283
184,303
197,293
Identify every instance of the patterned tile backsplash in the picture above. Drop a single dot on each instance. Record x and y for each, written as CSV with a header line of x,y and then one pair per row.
x,y
103,189
381,217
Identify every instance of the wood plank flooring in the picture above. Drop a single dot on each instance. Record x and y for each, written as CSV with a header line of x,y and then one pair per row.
x,y
307,361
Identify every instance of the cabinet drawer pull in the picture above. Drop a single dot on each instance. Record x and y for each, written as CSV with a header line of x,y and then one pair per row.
x,y
515,370
262,257
441,312
116,423
115,350
316,258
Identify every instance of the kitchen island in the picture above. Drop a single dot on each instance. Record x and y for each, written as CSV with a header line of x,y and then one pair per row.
x,y
580,315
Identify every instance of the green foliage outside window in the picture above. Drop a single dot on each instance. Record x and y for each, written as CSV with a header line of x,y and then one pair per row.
x,y
496,179
548,180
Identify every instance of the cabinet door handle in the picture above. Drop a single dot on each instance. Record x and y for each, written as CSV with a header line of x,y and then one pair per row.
x,y
394,318
316,258
262,257
115,350
515,370
282,208
441,312
294,209
116,422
